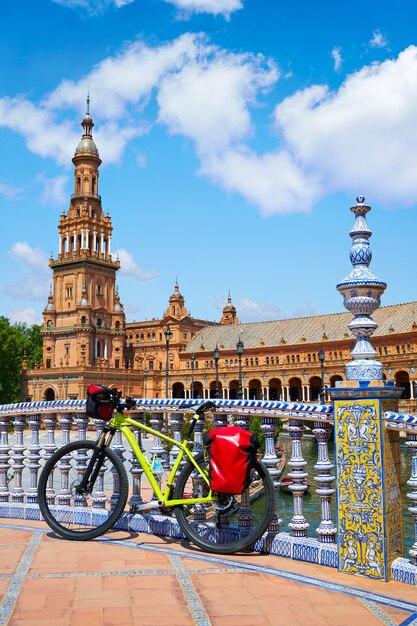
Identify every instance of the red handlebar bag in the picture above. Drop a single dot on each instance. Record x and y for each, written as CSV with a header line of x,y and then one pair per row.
x,y
100,404
232,455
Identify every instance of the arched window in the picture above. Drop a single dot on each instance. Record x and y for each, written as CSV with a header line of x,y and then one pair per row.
x,y
226,363
173,310
49,324
78,186
256,361
117,324
267,360
83,319
93,185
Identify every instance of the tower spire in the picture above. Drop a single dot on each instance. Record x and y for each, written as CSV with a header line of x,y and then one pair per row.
x,y
88,101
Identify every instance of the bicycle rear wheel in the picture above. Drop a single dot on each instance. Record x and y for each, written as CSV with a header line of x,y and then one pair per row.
x,y
82,516
229,523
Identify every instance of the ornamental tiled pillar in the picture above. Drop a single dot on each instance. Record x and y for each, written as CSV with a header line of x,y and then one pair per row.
x,y
369,522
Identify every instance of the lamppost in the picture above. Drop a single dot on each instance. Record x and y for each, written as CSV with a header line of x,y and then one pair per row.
x,y
192,375
322,358
239,350
145,379
216,356
168,335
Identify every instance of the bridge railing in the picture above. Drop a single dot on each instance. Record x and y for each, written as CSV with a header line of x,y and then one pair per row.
x,y
31,432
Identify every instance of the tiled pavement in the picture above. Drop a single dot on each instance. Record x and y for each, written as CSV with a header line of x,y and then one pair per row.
x,y
140,580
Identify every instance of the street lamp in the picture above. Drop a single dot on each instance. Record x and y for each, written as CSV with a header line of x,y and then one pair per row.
x,y
216,356
168,334
322,358
239,350
192,375
145,379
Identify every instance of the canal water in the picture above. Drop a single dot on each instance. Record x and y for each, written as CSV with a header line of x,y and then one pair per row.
x,y
311,501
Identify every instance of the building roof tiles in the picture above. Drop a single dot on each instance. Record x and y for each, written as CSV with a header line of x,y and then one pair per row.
x,y
317,329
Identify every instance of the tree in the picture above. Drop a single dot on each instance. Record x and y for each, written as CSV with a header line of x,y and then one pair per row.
x,y
15,340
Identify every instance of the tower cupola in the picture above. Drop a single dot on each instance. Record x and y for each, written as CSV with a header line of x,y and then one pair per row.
x,y
176,306
229,313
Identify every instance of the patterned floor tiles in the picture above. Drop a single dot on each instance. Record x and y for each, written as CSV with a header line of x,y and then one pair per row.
x,y
138,580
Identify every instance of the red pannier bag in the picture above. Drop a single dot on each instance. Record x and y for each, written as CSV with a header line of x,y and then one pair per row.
x,y
101,402
232,455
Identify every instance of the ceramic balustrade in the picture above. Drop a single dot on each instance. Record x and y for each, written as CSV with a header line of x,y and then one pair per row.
x,y
27,441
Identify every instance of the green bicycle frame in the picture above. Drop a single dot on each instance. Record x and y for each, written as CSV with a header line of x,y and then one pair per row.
x,y
122,423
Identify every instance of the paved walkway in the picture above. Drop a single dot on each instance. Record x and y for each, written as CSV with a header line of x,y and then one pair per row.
x,y
140,580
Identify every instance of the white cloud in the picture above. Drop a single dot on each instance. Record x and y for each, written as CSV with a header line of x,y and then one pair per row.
x,y
337,59
215,7
187,7
27,316
54,192
306,309
208,100
249,310
362,136
32,258
35,283
93,7
378,40
273,182
9,191
43,136
129,267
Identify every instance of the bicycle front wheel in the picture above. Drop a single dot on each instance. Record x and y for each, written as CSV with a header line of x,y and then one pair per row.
x,y
229,523
82,515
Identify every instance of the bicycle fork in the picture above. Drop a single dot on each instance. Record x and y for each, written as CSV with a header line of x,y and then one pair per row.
x,y
96,462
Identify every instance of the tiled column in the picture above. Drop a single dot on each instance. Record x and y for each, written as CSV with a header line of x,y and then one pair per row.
x,y
369,523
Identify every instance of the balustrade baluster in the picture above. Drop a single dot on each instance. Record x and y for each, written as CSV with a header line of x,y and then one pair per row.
x,y
66,423
198,436
245,515
136,469
298,524
411,444
156,423
18,493
50,447
120,449
63,496
270,459
4,458
326,530
82,425
33,458
177,422
99,497
220,420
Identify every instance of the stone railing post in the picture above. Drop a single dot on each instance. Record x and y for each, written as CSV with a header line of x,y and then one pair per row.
x,y
33,458
270,459
177,422
326,530
50,447
411,444
298,523
136,469
18,493
4,458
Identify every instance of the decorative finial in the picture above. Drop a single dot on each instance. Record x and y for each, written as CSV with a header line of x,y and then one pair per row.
x,y
361,291
88,101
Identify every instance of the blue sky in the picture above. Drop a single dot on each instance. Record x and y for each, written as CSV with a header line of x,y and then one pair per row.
x,y
234,134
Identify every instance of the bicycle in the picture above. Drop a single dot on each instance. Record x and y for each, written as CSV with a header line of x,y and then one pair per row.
x,y
91,497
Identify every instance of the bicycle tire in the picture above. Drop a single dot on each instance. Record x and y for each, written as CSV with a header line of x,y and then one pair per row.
x,y
200,525
81,517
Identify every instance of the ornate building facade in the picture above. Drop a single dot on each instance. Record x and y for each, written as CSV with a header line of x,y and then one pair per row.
x,y
86,337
